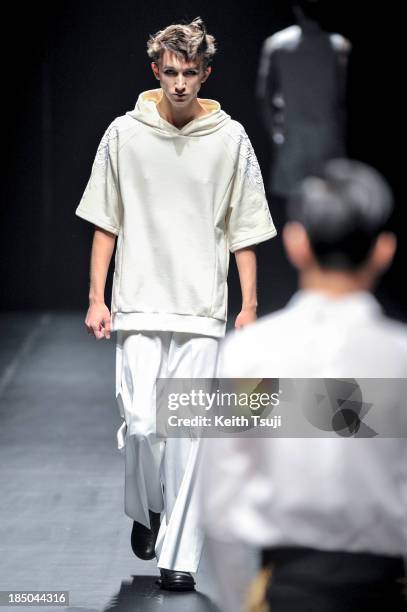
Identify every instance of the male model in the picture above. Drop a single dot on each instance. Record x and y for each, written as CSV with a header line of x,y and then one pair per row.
x,y
177,182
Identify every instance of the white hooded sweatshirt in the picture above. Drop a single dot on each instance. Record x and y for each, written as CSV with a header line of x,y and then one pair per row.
x,y
179,201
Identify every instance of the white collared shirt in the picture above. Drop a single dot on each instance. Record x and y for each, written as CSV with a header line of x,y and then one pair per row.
x,y
328,493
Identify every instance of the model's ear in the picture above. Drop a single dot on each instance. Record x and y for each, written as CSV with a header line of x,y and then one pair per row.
x,y
156,70
207,72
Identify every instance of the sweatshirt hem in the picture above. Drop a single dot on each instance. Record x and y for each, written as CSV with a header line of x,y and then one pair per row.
x,y
158,321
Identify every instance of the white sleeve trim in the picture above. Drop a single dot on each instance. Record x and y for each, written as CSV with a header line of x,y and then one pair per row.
x,y
97,221
253,240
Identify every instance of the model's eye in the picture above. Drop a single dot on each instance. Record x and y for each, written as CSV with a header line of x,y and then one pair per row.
x,y
191,73
169,71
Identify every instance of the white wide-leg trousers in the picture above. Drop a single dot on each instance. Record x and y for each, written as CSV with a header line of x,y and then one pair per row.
x,y
161,475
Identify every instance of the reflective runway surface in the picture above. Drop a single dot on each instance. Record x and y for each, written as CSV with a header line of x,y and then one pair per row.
x,y
62,524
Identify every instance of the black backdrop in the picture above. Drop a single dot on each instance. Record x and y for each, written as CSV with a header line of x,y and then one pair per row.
x,y
70,69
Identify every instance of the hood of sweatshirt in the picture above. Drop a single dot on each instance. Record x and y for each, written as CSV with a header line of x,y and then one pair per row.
x,y
146,112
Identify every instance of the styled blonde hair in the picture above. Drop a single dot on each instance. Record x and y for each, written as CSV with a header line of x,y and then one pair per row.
x,y
189,41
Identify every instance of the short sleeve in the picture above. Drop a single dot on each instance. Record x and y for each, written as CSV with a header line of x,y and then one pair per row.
x,y
101,202
248,219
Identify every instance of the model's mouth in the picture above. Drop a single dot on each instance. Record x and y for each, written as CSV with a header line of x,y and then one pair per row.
x,y
180,95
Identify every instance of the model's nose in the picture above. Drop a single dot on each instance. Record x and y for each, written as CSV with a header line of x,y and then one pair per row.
x,y
180,83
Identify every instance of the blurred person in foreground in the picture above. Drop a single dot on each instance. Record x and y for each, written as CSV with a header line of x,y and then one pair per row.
x,y
329,515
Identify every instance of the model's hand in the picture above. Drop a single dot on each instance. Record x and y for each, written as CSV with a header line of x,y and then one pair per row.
x,y
98,320
245,317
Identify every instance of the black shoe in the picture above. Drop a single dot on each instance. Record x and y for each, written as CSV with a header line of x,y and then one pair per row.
x,y
143,539
173,580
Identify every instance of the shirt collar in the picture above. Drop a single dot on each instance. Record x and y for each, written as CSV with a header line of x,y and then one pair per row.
x,y
356,304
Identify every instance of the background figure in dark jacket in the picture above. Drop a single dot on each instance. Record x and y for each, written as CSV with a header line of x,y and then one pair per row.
x,y
301,88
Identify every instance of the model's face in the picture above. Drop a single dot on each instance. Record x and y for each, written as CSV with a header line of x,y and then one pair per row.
x,y
180,80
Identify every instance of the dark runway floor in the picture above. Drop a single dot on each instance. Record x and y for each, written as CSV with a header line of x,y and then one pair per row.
x,y
62,523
